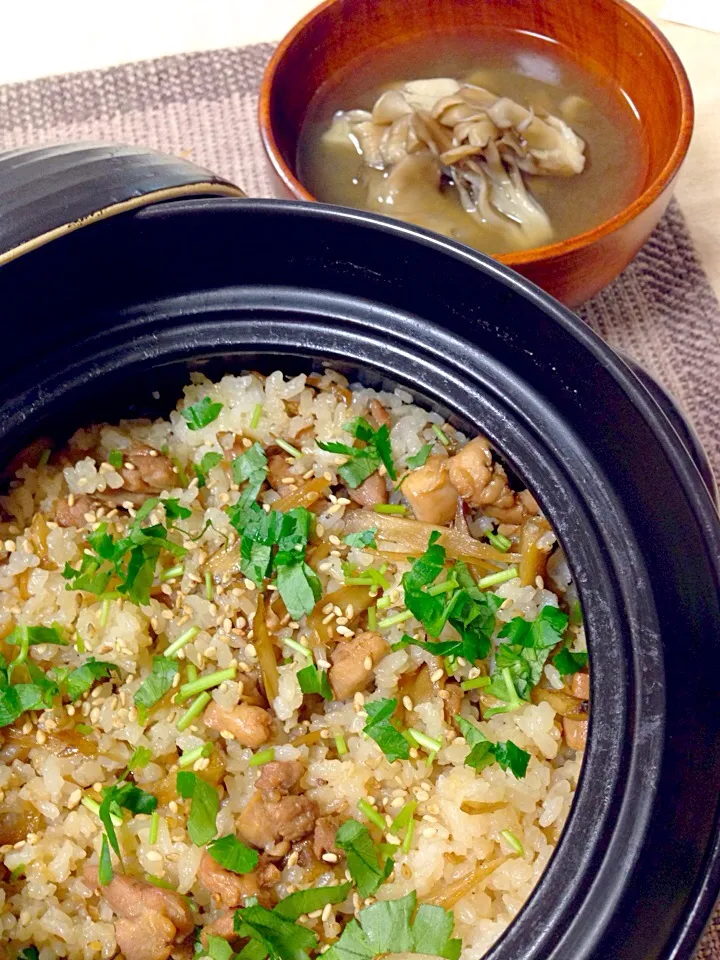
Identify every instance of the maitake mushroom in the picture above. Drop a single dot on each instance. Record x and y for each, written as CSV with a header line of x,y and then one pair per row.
x,y
481,143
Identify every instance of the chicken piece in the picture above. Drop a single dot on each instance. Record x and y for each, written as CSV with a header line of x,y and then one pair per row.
x,y
278,470
353,663
146,470
152,919
251,726
324,836
69,514
149,936
371,491
575,732
223,926
470,470
263,822
228,889
382,417
580,686
279,777
430,493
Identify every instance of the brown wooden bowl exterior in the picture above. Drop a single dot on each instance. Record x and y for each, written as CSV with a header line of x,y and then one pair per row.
x,y
607,37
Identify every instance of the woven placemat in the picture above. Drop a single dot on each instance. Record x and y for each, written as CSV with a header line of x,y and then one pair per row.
x,y
662,310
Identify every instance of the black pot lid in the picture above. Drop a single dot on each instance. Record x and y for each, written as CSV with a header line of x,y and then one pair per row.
x,y
48,191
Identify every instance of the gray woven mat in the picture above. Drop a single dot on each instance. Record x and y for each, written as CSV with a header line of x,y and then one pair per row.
x,y
661,310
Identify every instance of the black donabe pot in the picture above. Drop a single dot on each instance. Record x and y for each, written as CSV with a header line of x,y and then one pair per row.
x,y
98,320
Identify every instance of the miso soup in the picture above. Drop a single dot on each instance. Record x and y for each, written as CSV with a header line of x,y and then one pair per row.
x,y
510,195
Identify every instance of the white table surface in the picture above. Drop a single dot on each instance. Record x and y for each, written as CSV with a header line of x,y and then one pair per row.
x,y
43,37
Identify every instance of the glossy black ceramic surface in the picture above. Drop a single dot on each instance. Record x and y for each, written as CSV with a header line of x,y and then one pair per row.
x,y
128,307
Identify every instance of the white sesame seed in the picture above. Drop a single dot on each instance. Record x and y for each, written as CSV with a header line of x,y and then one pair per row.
x,y
327,912
429,832
407,703
250,650
438,675
347,632
153,856
330,857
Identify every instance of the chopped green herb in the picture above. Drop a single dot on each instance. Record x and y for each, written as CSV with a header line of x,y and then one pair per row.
x,y
477,683
394,620
526,646
141,758
202,413
296,646
483,752
217,948
469,610
367,866
388,927
84,728
419,459
363,461
270,933
105,869
340,744
262,757
192,756
180,641
29,953
362,539
204,806
498,541
44,457
33,636
131,559
250,464
423,740
441,435
371,814
206,682
256,414
233,854
381,730
174,510
493,579
156,684
372,618
208,586
81,679
127,796
115,459
172,572
299,587
154,827
398,508
193,711
567,662
202,469
512,841
313,680
308,901
288,447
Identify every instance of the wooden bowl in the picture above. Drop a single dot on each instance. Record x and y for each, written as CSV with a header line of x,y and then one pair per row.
x,y
607,38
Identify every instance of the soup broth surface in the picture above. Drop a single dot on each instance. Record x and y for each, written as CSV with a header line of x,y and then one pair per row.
x,y
531,71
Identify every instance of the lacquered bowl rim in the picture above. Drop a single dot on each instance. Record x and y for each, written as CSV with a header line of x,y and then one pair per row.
x,y
537,254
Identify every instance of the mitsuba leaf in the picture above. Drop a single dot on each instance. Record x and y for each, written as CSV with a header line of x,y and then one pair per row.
x,y
366,864
204,806
381,730
202,413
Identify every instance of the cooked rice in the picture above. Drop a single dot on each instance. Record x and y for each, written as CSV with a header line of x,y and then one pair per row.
x,y
44,776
